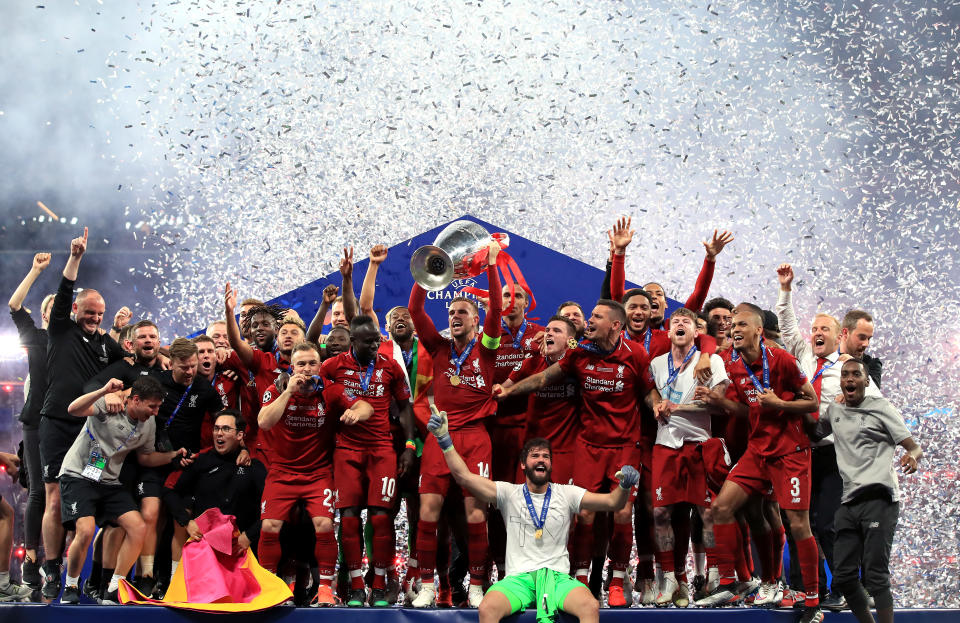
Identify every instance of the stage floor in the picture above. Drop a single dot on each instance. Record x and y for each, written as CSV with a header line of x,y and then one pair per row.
x,y
55,613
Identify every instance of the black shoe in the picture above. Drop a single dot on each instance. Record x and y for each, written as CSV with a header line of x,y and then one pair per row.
x,y
71,595
145,584
91,589
30,573
356,598
811,614
835,602
51,580
378,598
110,598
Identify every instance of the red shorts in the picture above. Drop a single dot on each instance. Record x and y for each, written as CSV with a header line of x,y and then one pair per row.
x,y
788,476
692,473
506,444
595,467
365,477
472,443
561,470
282,491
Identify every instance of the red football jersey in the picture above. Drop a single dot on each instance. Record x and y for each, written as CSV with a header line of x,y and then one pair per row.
x,y
553,412
470,400
387,383
773,433
302,440
613,387
513,411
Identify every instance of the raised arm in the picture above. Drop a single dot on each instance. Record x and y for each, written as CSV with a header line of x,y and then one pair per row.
x,y
83,406
789,327
243,350
78,246
491,322
426,331
616,499
316,325
700,290
349,298
40,263
482,488
620,238
377,255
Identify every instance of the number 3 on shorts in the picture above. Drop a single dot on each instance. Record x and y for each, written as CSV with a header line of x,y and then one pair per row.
x,y
795,486
483,469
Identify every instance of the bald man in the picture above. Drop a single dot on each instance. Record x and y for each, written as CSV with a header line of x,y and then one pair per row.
x,y
76,352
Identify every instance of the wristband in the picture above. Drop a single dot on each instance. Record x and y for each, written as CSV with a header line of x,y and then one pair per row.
x,y
411,445
116,328
445,443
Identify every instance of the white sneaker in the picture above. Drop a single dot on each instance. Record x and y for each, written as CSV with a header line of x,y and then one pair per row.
x,y
749,586
769,595
426,598
413,588
474,595
670,586
648,592
713,579
681,598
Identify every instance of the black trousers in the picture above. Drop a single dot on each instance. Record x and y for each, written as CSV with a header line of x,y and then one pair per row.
x,y
865,530
826,489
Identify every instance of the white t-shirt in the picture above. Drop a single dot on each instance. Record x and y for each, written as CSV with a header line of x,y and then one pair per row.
x,y
525,552
692,423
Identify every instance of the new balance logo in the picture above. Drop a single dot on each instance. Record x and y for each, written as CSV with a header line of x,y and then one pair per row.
x,y
263,507
874,524
795,501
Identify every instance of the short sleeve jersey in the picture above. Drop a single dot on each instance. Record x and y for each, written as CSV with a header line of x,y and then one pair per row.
x,y
612,386
114,436
773,433
553,412
659,342
513,351
525,552
302,440
387,383
469,401
691,423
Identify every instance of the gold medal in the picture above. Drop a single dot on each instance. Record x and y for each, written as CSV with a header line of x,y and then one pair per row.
x,y
455,380
571,343
539,533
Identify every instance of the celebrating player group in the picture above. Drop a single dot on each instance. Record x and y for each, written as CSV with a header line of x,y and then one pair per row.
x,y
523,464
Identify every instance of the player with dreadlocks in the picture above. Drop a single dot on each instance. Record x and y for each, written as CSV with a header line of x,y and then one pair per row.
x,y
274,338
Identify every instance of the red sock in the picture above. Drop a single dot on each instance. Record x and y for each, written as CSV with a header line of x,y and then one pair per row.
x,y
620,545
427,550
763,541
746,554
268,552
382,548
477,552
325,552
727,538
582,550
808,556
780,539
665,560
352,545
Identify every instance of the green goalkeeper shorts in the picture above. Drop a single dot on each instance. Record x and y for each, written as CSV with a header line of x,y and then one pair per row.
x,y
545,589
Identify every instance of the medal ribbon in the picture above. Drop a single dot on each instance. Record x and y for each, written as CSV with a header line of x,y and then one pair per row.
x,y
673,374
458,361
177,408
518,338
822,370
365,379
96,443
766,370
593,348
537,521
